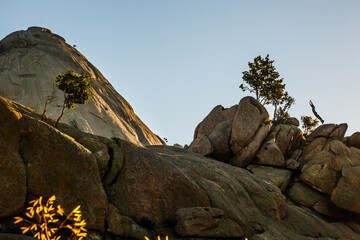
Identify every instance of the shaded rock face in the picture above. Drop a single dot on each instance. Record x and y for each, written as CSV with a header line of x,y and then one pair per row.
x,y
279,145
320,172
309,197
120,225
52,163
30,59
201,145
276,176
212,135
250,115
131,187
244,134
354,140
205,222
330,168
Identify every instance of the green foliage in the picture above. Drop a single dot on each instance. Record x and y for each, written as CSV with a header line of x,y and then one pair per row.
x,y
282,113
265,82
76,88
308,124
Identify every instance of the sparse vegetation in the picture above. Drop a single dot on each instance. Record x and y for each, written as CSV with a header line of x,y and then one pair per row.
x,y
308,125
44,221
77,89
265,82
48,100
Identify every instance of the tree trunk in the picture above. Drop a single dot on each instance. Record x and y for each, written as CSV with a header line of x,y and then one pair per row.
x,y
62,113
43,114
274,118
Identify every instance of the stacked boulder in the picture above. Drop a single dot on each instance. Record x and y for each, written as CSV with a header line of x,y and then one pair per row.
x,y
243,134
320,172
330,171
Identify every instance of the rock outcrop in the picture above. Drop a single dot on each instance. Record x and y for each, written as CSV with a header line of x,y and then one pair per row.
x,y
240,177
30,59
205,222
51,162
135,190
320,172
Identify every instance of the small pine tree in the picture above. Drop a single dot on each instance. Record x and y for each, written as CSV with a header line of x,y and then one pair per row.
x,y
308,124
77,89
265,82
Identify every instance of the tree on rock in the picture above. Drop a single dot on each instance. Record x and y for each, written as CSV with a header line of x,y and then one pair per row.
x,y
308,124
76,88
265,82
282,113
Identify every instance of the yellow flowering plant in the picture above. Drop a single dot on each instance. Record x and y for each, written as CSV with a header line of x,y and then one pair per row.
x,y
158,238
44,221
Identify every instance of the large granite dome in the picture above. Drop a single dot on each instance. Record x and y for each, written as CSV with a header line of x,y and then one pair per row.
x,y
30,59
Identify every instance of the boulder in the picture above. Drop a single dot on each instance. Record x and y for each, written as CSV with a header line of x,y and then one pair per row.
x,y
123,226
201,145
207,125
292,121
318,139
217,115
334,171
220,141
250,116
157,181
304,194
333,131
270,154
292,162
205,222
304,224
321,172
83,125
354,140
311,148
279,145
278,177
309,197
347,191
247,154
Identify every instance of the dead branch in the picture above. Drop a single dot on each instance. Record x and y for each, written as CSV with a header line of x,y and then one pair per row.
x,y
315,113
49,99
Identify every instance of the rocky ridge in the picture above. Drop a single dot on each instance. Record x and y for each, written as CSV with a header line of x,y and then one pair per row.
x,y
133,191
241,177
30,59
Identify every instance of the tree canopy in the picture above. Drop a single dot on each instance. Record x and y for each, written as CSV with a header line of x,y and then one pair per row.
x,y
77,89
308,124
263,80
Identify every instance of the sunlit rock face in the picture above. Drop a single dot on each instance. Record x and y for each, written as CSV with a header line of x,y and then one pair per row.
x,y
30,59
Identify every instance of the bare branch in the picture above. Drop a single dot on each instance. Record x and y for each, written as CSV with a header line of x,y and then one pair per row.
x,y
48,100
315,113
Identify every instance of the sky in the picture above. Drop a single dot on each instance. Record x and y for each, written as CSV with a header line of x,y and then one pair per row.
x,y
174,61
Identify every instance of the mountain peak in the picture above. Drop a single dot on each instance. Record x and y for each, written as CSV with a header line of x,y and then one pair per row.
x,y
29,60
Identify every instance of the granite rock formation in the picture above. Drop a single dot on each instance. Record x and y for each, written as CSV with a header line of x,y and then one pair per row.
x,y
241,177
30,59
127,190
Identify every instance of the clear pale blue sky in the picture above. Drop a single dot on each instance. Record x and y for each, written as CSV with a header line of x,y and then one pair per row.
x,y
173,61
